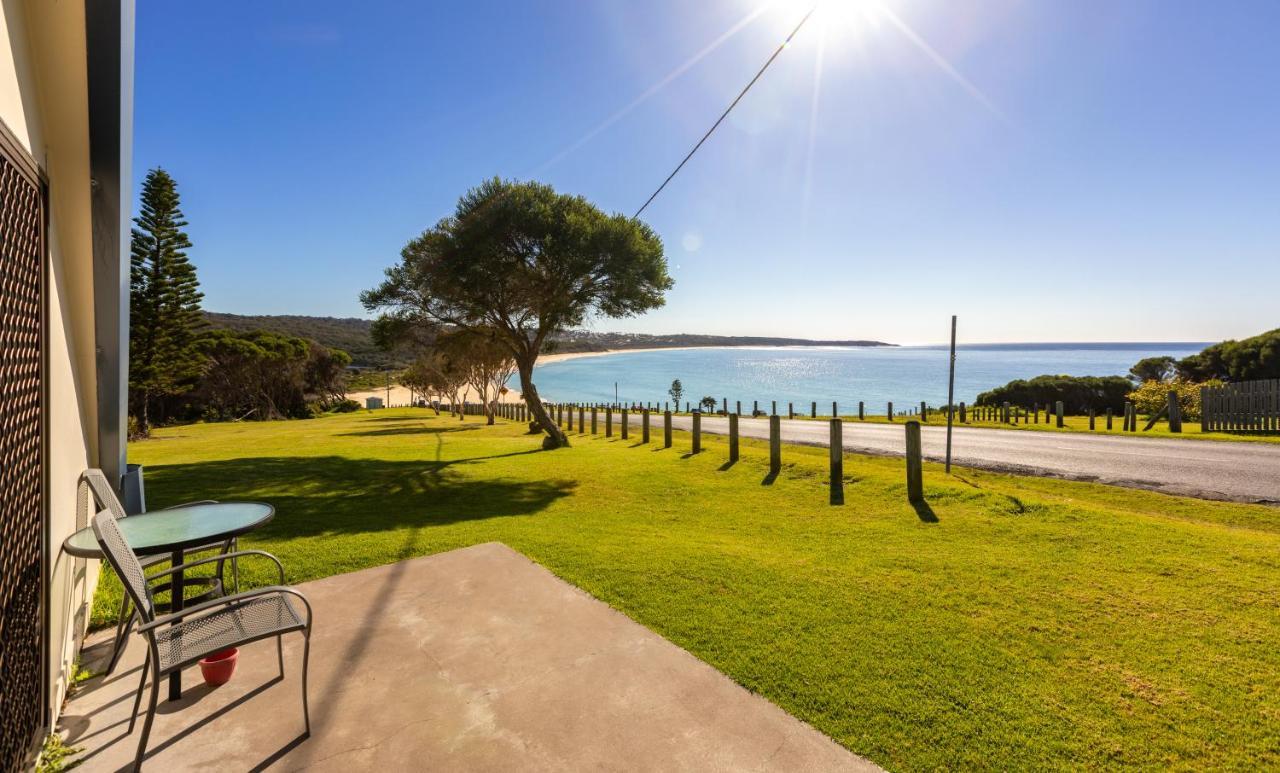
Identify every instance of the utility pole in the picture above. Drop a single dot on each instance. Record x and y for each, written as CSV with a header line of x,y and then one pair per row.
x,y
951,391
388,389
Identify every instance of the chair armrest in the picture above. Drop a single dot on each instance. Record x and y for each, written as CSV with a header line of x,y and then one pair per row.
x,y
190,504
218,557
225,601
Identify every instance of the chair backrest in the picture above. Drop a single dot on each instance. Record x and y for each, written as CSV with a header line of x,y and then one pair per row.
x,y
122,559
103,494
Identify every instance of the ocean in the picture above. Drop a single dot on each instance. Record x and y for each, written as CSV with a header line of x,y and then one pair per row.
x,y
904,375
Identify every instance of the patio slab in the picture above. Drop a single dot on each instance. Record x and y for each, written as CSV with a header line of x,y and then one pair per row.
x,y
476,659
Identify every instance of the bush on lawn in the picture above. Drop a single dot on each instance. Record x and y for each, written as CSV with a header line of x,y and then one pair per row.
x,y
1078,394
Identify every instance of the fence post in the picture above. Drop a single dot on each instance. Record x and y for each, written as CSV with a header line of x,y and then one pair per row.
x,y
963,416
835,410
836,445
1092,419
1058,411
1175,412
775,444
726,405
1204,409
737,407
813,410
791,410
594,425
644,427
862,415
733,437
1108,419
755,407
915,469
608,421
924,411
666,429
626,423
697,432
582,419
890,411
773,411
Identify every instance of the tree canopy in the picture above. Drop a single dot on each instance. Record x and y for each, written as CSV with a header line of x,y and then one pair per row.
x,y
1249,359
523,261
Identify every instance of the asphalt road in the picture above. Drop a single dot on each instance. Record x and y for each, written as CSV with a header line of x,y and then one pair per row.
x,y
1245,472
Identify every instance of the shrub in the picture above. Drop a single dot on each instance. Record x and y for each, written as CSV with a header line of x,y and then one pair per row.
x,y
1078,394
1151,397
345,406
1246,360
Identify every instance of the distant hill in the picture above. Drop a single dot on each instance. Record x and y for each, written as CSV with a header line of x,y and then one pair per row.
x,y
351,334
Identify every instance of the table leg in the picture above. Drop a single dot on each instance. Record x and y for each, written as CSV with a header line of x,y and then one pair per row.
x,y
176,590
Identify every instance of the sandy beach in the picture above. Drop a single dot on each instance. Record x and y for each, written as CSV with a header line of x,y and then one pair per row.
x,y
399,395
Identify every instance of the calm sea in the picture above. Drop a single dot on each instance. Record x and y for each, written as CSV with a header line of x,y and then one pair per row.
x,y
906,374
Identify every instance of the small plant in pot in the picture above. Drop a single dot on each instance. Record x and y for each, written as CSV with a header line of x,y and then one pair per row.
x,y
218,667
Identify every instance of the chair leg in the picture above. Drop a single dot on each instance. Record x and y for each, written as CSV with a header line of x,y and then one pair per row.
x,y
137,699
306,655
117,647
151,715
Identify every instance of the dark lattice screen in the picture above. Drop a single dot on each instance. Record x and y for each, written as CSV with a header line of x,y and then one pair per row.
x,y
21,459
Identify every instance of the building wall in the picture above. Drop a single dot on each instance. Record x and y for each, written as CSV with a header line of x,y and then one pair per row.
x,y
44,103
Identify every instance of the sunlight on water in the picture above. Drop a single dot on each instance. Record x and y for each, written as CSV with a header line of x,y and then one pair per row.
x,y
906,375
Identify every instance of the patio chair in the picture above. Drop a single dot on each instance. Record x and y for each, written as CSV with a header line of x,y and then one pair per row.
x,y
178,639
95,481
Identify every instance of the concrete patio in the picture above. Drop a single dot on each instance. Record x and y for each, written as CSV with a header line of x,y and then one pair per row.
x,y
477,659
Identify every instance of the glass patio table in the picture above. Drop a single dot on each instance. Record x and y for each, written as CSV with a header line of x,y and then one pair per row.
x,y
172,531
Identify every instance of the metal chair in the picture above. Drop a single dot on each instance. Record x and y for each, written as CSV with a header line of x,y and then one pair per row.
x,y
94,484
181,638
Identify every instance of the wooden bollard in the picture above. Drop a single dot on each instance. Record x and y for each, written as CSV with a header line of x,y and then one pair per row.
x,y
697,432
733,437
775,444
924,411
737,407
963,416
582,419
862,416
1057,407
836,445
594,425
1004,413
791,410
813,410
608,421
644,426
666,429
755,407
1092,420
835,410
1108,420
890,411
915,466
1175,412
725,402
626,424
773,411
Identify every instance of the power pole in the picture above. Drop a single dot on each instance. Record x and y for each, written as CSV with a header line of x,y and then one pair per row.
x,y
951,391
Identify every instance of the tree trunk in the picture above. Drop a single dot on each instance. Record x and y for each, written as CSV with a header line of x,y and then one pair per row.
x,y
555,438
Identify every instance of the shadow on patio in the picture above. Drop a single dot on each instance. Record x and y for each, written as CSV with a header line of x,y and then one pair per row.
x,y
475,659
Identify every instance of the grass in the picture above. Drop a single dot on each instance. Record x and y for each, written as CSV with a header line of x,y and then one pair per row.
x,y
1011,623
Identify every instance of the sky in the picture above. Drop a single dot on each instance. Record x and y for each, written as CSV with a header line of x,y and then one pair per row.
x,y
1048,171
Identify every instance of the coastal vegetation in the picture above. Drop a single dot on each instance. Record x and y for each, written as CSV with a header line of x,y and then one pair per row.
x,y
521,262
1115,627
1248,359
1078,394
179,368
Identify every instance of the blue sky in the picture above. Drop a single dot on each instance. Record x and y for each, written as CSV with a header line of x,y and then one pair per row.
x,y
1050,171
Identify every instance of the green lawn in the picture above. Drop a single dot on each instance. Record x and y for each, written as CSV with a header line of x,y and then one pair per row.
x,y
1015,623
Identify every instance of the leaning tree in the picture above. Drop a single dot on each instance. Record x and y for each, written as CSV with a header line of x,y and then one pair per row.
x,y
525,262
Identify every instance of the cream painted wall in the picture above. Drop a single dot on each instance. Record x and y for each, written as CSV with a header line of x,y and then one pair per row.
x,y
44,102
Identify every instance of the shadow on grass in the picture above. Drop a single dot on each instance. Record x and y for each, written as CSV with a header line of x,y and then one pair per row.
x,y
727,465
412,429
769,479
925,512
339,495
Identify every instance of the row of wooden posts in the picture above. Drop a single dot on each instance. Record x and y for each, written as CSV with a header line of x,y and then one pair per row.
x,y
564,415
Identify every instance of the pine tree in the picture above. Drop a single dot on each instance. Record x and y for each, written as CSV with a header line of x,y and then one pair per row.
x,y
164,302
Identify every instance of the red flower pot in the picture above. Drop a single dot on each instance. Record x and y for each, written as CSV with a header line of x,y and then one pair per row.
x,y
218,667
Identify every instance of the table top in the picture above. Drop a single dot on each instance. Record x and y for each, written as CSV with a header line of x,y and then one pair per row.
x,y
178,528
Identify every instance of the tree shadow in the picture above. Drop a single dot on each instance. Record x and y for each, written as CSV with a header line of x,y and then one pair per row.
x,y
412,429
924,511
317,495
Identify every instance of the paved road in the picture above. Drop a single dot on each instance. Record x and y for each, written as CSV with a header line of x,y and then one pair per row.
x,y
1247,472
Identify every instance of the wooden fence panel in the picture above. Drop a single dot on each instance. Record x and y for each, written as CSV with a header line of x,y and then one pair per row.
x,y
1249,406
